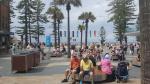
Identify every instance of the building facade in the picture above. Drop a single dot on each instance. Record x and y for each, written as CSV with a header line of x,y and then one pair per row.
x,y
4,26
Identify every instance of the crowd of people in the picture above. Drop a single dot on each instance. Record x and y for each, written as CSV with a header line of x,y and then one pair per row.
x,y
89,58
16,48
83,61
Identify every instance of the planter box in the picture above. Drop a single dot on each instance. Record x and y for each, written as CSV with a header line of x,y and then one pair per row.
x,y
25,62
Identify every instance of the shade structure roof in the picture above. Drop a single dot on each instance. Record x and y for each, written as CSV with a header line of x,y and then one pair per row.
x,y
137,33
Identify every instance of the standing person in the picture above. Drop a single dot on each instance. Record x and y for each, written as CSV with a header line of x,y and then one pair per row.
x,y
92,57
42,46
131,49
13,49
99,48
98,56
113,54
138,48
125,47
63,49
122,55
118,53
73,49
86,68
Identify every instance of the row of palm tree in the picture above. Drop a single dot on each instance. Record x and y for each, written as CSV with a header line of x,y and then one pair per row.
x,y
85,16
68,3
57,17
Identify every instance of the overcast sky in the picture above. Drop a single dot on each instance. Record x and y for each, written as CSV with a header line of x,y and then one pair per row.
x,y
97,7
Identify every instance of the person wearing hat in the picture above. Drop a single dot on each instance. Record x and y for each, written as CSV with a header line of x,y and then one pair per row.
x,y
106,66
73,69
86,67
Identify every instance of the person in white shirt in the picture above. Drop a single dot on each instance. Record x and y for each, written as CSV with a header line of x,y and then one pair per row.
x,y
13,49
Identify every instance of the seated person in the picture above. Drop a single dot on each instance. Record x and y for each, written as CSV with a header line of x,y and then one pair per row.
x,y
56,52
106,66
62,49
86,67
74,68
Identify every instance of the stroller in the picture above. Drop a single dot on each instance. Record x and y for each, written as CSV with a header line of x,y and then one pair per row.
x,y
122,72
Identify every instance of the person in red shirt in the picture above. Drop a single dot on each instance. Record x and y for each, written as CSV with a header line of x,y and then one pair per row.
x,y
73,69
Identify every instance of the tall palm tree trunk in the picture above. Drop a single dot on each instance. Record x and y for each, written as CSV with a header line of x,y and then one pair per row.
x,y
81,37
68,7
86,32
145,40
58,34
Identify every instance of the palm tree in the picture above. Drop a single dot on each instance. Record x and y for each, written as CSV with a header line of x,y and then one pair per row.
x,y
87,16
81,28
68,3
59,16
54,11
145,40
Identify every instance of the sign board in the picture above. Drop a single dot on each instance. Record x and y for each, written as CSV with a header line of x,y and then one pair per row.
x,y
48,41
